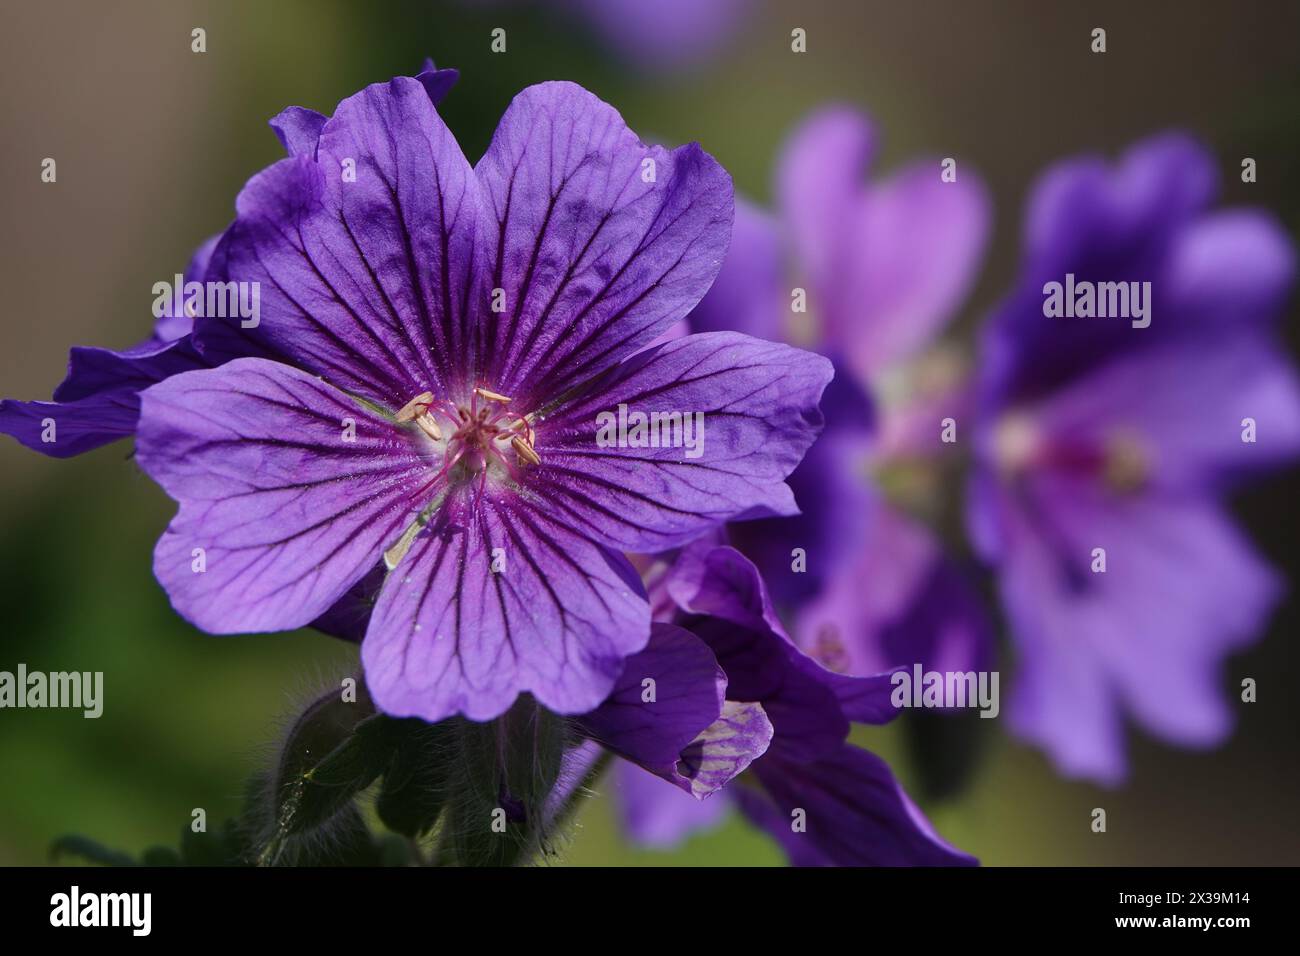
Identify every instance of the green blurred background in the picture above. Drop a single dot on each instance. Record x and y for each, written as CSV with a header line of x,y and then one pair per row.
x,y
153,142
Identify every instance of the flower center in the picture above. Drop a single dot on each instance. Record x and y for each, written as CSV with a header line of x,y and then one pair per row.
x,y
1119,457
479,436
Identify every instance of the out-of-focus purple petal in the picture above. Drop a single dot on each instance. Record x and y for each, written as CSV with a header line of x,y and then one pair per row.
x,y
902,602
602,241
1180,409
1228,270
288,511
655,813
752,404
888,263
820,180
666,35
834,500
1181,590
1105,224
747,296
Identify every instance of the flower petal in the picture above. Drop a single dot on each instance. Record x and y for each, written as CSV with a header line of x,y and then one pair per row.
x,y
687,734
854,812
757,402
888,263
97,371
1183,405
173,323
1182,590
809,706
289,512
99,401
367,258
912,249
602,241
451,635
686,690
820,177
298,130
1123,223
77,427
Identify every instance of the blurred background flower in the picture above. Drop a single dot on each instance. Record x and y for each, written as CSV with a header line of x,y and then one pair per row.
x,y
152,140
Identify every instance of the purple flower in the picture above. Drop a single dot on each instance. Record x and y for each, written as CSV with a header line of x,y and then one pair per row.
x,y
1104,449
882,267
824,800
443,344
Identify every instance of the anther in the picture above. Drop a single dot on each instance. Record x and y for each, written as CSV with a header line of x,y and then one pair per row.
x,y
525,451
493,396
429,426
415,407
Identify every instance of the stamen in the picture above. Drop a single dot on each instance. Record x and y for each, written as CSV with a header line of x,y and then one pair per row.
x,y
429,426
1126,464
525,451
493,396
415,407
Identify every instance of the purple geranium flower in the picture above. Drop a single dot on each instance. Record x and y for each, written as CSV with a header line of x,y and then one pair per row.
x,y
824,800
437,349
882,267
1095,434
